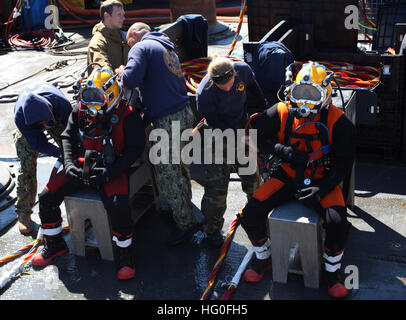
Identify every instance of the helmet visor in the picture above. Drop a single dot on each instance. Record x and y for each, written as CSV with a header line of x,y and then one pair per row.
x,y
93,96
306,93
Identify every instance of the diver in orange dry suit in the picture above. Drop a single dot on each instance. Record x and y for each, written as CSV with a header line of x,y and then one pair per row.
x,y
314,143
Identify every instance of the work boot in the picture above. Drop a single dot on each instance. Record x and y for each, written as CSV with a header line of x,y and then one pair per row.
x,y
257,268
179,236
126,268
53,246
260,262
335,286
215,239
25,224
166,214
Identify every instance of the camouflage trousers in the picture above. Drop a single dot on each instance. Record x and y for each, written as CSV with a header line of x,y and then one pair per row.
x,y
174,179
26,182
214,201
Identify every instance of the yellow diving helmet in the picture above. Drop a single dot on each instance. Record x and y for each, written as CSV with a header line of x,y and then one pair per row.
x,y
101,92
311,90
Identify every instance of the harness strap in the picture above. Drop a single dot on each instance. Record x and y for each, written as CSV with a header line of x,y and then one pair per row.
x,y
86,167
288,126
310,137
322,135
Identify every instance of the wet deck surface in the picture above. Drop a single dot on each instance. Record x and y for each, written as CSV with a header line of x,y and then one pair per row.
x,y
376,245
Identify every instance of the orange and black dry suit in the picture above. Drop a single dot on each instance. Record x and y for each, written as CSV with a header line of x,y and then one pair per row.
x,y
329,142
125,128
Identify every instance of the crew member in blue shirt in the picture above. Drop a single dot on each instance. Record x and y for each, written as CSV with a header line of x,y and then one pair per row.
x,y
153,66
221,98
40,108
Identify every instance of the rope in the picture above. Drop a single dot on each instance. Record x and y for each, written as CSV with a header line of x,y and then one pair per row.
x,y
237,32
31,246
59,81
20,268
199,125
223,252
366,19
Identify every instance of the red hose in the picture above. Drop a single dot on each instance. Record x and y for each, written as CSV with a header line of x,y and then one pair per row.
x,y
143,19
96,12
10,21
128,20
234,19
229,11
43,38
143,12
73,14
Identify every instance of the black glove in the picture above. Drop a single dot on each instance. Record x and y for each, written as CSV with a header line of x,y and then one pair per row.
x,y
291,154
310,196
74,173
98,177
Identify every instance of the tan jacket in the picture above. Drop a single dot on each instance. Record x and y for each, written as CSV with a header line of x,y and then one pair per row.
x,y
107,48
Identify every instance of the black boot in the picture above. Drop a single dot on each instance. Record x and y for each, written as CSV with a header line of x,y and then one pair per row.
x,y
179,236
166,215
53,246
215,239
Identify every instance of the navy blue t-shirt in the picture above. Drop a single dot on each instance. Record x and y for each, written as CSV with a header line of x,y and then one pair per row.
x,y
225,108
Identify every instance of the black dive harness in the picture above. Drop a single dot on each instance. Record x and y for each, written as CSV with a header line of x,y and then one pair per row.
x,y
325,160
93,157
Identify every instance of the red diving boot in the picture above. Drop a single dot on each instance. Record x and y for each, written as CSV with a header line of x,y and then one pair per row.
x,y
54,246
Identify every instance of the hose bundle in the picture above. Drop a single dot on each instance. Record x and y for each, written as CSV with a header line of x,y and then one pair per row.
x,y
19,269
34,39
88,17
350,75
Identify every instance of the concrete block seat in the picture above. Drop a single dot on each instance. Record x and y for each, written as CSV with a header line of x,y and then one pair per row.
x,y
87,205
296,245
297,238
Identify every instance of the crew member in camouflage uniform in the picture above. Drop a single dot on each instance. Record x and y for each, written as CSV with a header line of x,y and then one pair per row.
x,y
154,67
221,98
39,108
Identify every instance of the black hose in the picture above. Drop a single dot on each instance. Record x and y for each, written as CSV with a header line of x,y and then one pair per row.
x,y
341,93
